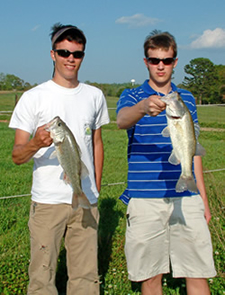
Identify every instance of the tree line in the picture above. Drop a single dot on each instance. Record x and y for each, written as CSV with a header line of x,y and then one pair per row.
x,y
10,82
203,78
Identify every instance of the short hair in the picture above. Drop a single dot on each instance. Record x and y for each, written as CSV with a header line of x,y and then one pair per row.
x,y
157,39
61,32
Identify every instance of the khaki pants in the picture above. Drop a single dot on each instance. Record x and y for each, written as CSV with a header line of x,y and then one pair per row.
x,y
48,224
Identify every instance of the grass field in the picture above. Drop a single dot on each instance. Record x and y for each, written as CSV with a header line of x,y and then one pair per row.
x,y
16,180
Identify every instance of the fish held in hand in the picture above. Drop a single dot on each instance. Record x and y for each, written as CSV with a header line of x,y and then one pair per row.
x,y
68,154
183,133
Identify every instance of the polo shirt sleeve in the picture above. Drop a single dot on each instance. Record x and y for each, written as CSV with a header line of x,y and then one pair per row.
x,y
127,99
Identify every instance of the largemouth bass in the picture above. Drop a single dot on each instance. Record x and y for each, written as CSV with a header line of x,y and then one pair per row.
x,y
183,133
68,154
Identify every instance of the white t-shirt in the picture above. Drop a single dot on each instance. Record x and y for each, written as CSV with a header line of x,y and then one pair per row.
x,y
83,109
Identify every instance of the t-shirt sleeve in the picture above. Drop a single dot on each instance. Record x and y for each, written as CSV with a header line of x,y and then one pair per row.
x,y
23,115
102,115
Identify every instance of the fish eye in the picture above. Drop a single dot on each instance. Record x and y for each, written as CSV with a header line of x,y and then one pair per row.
x,y
59,124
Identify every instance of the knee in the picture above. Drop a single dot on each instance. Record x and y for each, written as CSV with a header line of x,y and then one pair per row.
x,y
197,286
154,283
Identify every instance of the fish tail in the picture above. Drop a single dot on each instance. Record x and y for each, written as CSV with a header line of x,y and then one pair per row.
x,y
75,201
186,184
80,200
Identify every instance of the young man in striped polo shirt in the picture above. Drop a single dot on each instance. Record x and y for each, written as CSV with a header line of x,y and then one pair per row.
x,y
164,227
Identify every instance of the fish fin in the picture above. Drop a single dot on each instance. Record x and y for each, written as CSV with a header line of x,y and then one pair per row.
x,y
186,184
80,200
166,132
66,178
84,170
200,151
173,159
83,201
53,155
58,138
197,130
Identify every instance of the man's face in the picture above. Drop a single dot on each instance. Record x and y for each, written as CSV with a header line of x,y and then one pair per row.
x,y
66,68
160,74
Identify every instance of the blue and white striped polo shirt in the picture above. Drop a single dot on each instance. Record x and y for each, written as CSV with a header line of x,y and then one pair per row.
x,y
150,175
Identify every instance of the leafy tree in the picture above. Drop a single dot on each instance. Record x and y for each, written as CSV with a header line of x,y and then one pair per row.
x,y
13,82
10,82
202,79
221,72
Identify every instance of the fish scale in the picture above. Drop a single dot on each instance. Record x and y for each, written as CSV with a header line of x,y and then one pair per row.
x,y
68,154
181,130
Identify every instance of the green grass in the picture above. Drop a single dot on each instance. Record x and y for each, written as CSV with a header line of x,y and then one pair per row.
x,y
14,234
211,116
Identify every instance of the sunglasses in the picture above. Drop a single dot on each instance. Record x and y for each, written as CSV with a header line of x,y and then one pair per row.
x,y
66,53
155,61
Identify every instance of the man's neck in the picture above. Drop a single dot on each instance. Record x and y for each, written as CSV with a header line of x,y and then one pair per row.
x,y
66,83
164,88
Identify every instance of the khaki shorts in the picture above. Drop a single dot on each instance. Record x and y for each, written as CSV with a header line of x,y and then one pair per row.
x,y
164,232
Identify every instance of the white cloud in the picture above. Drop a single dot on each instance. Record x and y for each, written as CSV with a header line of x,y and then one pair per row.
x,y
35,28
210,39
137,20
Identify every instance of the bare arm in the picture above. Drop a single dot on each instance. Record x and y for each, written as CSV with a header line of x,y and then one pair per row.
x,y
24,148
98,153
201,185
129,116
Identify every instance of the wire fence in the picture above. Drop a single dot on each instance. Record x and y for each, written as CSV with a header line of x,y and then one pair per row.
x,y
216,115
103,185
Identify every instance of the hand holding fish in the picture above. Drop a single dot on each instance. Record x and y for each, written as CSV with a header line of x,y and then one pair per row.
x,y
129,116
24,148
153,105
42,137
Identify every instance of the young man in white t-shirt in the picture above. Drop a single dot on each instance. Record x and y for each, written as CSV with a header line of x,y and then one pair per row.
x,y
83,108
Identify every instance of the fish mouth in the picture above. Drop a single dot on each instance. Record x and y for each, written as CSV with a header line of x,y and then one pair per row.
x,y
49,125
175,118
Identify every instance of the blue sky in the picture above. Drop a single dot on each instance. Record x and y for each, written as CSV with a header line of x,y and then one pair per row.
x,y
115,31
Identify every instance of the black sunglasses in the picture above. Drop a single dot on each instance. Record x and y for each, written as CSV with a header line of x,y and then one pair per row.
x,y
66,53
155,61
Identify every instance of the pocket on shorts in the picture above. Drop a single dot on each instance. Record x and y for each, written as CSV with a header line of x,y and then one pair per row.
x,y
193,207
201,203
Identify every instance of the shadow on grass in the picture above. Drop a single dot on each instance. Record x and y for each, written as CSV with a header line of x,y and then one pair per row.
x,y
109,219
173,284
61,274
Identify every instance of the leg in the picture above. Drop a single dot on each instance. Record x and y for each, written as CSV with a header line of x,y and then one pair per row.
x,y
152,286
81,246
197,286
47,225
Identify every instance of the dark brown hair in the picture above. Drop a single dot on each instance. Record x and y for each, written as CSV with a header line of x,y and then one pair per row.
x,y
157,39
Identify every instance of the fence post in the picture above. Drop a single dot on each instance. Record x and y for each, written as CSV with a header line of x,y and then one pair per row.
x,y
16,99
